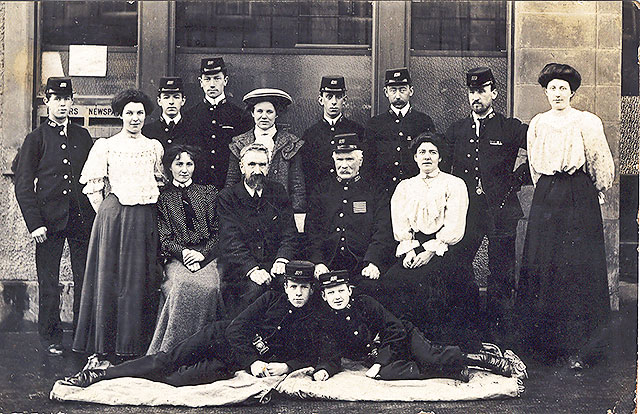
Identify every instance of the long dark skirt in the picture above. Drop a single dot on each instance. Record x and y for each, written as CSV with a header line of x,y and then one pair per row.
x,y
440,298
119,296
563,295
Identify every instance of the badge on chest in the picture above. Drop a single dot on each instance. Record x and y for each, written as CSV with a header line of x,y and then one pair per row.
x,y
359,207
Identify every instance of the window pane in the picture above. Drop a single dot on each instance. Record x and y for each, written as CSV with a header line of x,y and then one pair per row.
x,y
458,25
273,24
112,23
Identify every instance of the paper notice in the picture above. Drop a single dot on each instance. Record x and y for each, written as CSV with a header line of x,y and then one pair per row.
x,y
51,66
86,60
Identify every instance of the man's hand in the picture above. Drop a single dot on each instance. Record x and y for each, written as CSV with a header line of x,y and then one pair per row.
x,y
260,277
321,375
277,368
39,234
422,259
371,271
408,259
373,371
278,268
320,269
259,369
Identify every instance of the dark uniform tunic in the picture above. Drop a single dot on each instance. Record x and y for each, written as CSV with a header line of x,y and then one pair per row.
x,y
486,164
388,140
167,134
54,162
366,331
210,128
221,348
253,232
349,225
317,152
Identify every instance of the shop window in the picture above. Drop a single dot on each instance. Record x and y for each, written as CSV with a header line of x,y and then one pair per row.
x,y
458,25
273,24
111,23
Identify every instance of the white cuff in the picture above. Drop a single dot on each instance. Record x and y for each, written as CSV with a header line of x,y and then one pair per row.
x,y
436,246
406,246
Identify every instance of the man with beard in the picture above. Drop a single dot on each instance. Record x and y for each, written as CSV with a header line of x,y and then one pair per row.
x,y
213,122
390,134
257,231
484,147
317,161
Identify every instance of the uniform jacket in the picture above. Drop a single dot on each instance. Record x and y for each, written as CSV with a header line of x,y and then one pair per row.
x,y
255,232
210,128
497,146
164,133
350,216
317,151
285,167
285,330
350,333
47,174
388,140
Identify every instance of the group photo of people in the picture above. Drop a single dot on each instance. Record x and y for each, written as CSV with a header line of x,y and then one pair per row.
x,y
186,232
209,241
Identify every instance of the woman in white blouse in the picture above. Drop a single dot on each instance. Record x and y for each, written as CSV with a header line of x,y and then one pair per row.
x,y
563,292
121,177
427,285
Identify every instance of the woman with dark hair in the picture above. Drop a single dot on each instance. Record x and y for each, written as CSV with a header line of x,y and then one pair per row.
x,y
285,164
188,228
563,292
121,176
427,285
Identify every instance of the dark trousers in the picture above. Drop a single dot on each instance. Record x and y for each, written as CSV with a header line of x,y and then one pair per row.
x,y
48,255
501,235
202,358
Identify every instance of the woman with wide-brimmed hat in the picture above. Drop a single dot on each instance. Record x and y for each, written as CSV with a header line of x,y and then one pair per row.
x,y
285,164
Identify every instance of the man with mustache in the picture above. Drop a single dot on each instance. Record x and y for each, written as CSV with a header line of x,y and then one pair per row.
x,y
390,134
169,128
317,161
258,235
349,221
213,122
483,148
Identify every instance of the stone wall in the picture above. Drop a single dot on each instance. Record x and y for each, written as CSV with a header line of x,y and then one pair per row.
x,y
587,35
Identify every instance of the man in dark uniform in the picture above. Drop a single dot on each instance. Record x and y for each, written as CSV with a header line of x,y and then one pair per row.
x,y
317,161
390,134
273,336
257,231
349,220
213,122
484,147
169,128
361,329
53,206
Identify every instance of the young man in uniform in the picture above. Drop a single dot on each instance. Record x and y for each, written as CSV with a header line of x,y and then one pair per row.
x,y
169,128
361,329
390,134
213,122
53,205
319,141
272,336
483,148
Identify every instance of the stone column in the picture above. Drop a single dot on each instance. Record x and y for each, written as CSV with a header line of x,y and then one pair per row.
x,y
586,35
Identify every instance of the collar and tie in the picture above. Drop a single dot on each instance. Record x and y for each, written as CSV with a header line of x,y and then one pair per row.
x,y
189,212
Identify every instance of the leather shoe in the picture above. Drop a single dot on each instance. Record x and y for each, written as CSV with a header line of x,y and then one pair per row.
x,y
85,377
54,350
497,365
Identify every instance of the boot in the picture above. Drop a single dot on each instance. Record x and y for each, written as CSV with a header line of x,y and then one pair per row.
x,y
497,365
85,377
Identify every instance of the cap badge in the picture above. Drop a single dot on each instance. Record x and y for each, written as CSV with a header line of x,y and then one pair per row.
x,y
396,74
298,272
334,81
334,278
170,82
474,77
63,84
209,62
